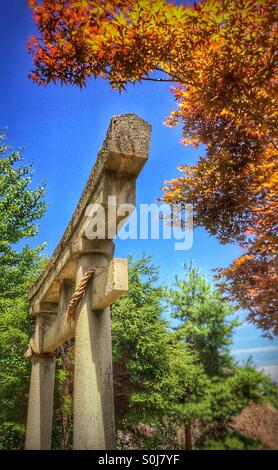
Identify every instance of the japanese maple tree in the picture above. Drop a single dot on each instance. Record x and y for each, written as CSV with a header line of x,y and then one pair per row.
x,y
222,59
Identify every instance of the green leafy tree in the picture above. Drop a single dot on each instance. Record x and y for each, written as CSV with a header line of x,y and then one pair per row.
x,y
203,320
20,208
205,324
153,370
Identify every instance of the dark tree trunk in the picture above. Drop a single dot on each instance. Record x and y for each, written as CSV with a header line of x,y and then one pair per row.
x,y
188,437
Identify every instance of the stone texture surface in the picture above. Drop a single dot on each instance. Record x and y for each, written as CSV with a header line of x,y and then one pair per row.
x,y
59,330
110,284
93,405
40,404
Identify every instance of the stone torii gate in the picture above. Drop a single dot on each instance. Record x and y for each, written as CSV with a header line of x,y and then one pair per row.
x,y
76,258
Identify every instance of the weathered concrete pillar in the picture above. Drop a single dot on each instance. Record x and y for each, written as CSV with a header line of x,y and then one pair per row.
x,y
40,405
93,406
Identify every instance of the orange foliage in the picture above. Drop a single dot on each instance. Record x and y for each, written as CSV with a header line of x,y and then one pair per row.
x,y
223,58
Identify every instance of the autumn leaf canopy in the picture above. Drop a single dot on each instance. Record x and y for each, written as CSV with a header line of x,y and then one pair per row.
x,y
221,57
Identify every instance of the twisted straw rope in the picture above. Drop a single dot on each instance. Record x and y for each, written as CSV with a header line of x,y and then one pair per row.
x,y
33,350
79,293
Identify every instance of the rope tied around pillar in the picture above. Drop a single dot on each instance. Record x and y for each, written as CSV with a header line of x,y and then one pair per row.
x,y
79,293
33,351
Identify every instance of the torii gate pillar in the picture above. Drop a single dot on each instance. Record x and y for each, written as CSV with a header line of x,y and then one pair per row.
x,y
93,405
40,403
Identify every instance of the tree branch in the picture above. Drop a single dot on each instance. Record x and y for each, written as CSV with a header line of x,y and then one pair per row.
x,y
177,79
158,79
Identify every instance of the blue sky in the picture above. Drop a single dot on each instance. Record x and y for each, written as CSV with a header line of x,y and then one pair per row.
x,y
62,128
